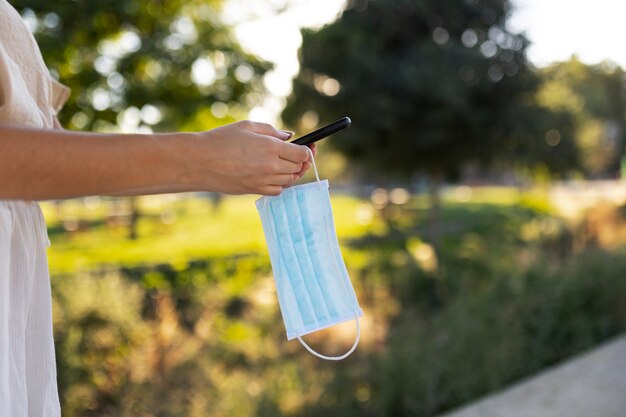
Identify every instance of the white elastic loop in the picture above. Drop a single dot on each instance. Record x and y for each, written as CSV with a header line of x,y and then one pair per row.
x,y
345,355
313,162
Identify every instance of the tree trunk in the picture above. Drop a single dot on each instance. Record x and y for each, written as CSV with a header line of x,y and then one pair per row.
x,y
434,221
134,219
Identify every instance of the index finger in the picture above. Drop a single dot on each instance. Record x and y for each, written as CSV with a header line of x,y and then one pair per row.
x,y
294,153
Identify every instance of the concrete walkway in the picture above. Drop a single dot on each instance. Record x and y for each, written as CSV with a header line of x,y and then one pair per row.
x,y
590,385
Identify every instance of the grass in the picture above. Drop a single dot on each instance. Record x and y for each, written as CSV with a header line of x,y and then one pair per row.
x,y
198,231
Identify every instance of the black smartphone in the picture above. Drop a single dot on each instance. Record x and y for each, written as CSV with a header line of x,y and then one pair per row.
x,y
323,132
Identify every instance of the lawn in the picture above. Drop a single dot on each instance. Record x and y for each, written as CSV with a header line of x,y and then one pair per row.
x,y
173,231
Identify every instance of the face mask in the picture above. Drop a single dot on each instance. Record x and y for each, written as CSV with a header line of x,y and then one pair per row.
x,y
312,283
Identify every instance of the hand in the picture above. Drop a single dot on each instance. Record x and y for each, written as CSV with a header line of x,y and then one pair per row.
x,y
307,164
243,157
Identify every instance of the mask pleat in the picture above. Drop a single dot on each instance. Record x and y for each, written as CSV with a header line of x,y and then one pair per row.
x,y
291,263
343,279
328,277
286,298
302,229
318,257
307,228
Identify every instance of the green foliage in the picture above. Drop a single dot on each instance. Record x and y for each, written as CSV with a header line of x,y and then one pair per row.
x,y
594,96
483,341
508,295
98,331
119,56
430,85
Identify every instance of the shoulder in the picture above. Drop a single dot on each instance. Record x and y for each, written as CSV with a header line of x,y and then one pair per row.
x,y
12,24
28,95
17,40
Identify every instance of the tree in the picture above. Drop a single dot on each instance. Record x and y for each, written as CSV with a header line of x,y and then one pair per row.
x,y
431,85
162,64
150,65
595,97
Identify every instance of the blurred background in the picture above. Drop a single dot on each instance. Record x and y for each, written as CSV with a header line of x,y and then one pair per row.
x,y
478,198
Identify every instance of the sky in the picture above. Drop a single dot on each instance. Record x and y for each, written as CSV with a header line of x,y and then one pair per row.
x,y
592,30
275,37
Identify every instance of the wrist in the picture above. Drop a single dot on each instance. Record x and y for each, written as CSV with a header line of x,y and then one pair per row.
x,y
167,158
183,161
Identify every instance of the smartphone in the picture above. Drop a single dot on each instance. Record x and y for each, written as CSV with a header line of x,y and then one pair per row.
x,y
323,132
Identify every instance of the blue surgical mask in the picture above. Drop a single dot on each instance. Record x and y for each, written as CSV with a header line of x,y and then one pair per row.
x,y
312,283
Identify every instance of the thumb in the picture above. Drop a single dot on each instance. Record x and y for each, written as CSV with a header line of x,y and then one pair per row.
x,y
269,130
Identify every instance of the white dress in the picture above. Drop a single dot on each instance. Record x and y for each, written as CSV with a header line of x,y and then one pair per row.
x,y
28,97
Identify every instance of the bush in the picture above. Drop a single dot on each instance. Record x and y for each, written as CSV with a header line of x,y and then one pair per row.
x,y
505,297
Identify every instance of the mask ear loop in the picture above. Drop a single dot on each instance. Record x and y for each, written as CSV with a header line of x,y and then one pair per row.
x,y
345,355
314,166
356,316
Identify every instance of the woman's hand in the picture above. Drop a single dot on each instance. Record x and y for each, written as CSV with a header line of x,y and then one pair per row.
x,y
243,157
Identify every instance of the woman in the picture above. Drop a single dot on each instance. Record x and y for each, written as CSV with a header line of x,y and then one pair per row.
x,y
38,160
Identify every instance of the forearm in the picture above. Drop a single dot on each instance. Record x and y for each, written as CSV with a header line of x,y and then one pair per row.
x,y
45,164
239,158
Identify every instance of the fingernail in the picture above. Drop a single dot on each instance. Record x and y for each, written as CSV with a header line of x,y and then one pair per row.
x,y
289,133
